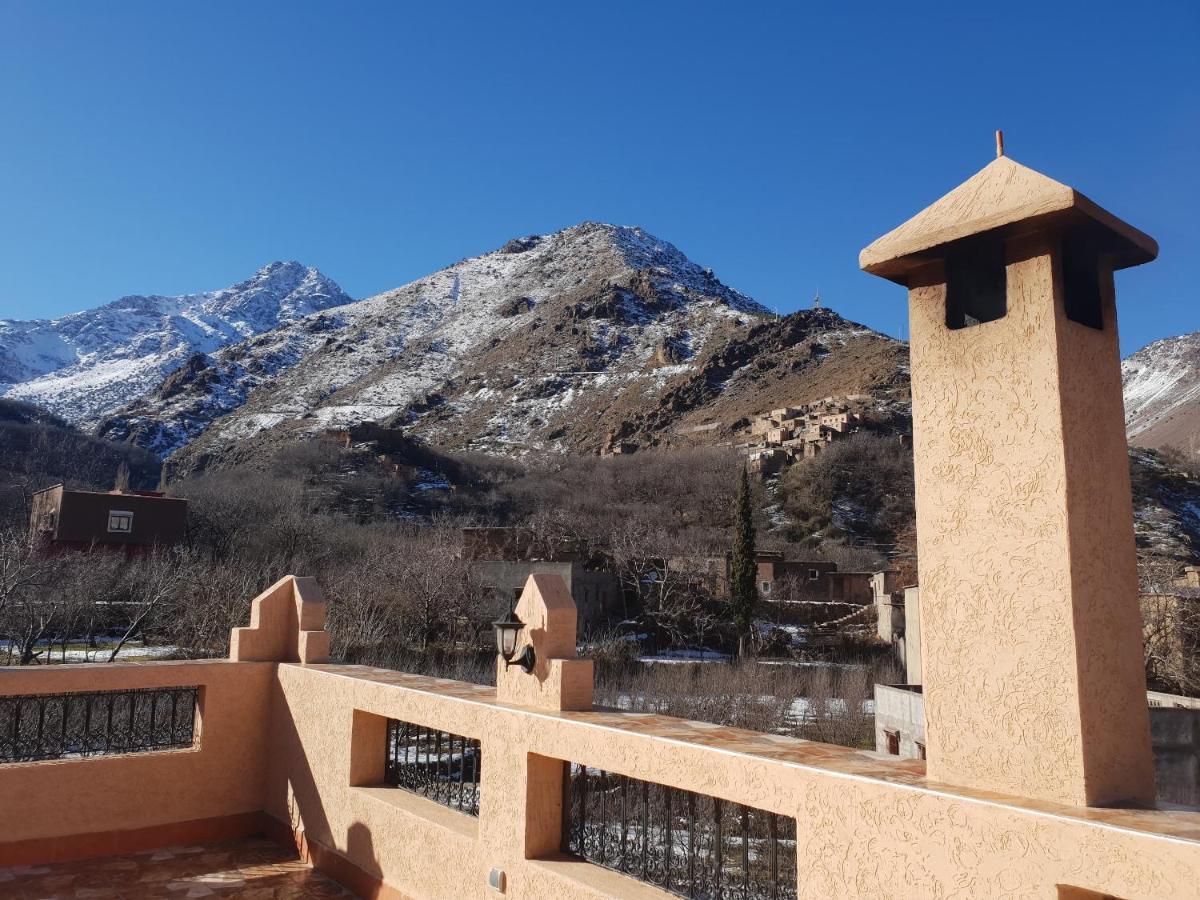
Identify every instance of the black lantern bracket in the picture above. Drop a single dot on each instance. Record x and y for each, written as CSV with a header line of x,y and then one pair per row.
x,y
526,660
507,630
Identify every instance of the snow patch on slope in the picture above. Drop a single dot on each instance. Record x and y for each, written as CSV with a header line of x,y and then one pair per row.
x,y
1160,379
85,365
616,292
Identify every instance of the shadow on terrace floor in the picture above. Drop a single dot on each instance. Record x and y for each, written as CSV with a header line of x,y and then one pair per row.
x,y
253,869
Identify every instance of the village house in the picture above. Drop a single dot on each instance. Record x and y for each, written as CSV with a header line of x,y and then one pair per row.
x,y
790,433
781,580
132,520
504,559
619,448
368,432
392,450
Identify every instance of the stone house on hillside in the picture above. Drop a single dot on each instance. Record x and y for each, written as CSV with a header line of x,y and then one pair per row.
x,y
790,433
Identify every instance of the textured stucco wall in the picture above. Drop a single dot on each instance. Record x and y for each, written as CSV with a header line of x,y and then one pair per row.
x,y
304,742
1114,716
221,776
1033,679
859,836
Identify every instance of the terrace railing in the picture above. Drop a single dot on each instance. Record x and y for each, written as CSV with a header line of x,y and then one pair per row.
x,y
57,726
438,765
690,844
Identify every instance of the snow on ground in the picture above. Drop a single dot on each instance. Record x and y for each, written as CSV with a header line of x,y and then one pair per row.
x,y
685,655
132,650
800,710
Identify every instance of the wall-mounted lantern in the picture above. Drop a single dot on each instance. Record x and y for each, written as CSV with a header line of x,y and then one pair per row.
x,y
508,629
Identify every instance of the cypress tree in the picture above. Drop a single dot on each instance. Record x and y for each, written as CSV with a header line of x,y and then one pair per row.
x,y
743,568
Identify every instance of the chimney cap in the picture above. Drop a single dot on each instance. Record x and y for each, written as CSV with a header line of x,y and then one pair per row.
x,y
1006,197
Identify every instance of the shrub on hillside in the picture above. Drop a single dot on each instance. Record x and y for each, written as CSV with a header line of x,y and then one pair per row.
x,y
859,490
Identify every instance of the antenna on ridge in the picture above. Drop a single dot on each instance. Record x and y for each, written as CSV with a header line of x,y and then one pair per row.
x,y
817,299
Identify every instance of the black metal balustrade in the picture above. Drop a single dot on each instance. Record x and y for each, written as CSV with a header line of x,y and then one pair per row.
x,y
690,844
57,726
438,765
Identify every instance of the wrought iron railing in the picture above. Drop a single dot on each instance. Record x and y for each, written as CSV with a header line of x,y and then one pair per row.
x,y
57,726
690,844
438,765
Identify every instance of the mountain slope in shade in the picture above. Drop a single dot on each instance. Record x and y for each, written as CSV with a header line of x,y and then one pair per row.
x,y
85,365
1162,394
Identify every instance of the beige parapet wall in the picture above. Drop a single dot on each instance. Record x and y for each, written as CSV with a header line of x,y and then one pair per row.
x,y
866,827
71,808
297,750
287,624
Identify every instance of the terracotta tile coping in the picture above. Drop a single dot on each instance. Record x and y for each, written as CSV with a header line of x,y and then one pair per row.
x,y
827,758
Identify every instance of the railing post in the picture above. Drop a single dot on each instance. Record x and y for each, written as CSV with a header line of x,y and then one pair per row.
x,y
521,816
543,805
287,624
559,679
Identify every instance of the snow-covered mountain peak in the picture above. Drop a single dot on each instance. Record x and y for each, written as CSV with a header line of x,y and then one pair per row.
x,y
637,249
86,364
588,301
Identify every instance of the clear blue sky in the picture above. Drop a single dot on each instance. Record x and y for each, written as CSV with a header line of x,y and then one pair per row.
x,y
172,147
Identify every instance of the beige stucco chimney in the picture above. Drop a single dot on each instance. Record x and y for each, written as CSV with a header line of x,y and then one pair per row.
x,y
1034,680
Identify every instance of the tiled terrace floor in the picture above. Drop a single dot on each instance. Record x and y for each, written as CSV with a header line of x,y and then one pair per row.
x,y
255,869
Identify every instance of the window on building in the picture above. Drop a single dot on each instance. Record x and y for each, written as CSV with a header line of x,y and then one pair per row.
x,y
976,284
1081,282
920,750
766,587
893,742
813,574
120,521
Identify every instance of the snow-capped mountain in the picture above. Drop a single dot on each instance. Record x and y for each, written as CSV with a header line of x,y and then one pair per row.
x,y
85,365
551,342
1162,394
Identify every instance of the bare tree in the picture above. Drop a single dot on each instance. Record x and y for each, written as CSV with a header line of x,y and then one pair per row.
x,y
1171,632
152,584
28,606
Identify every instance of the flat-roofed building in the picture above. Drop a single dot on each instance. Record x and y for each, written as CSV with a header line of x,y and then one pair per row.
x,y
63,519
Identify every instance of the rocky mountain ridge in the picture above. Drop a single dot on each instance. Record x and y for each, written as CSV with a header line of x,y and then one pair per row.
x,y
552,343
85,365
581,340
